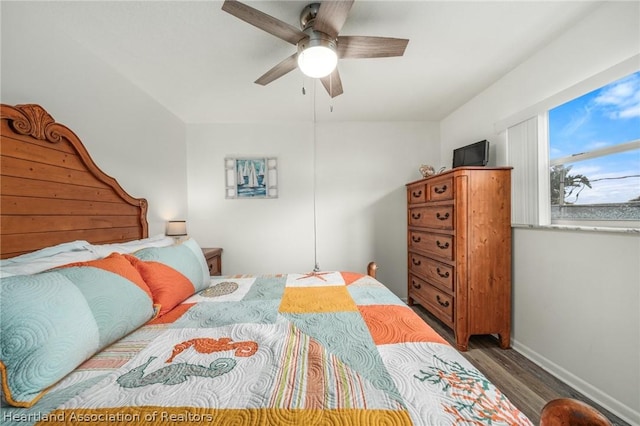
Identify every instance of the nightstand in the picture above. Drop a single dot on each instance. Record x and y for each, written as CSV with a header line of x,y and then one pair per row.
x,y
213,257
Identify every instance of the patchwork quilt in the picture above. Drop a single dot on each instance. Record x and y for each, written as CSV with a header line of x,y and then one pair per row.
x,y
327,348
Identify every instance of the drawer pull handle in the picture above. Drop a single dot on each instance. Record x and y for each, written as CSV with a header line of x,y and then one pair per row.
x,y
416,216
445,303
441,190
442,246
445,275
442,217
417,194
416,262
413,282
416,239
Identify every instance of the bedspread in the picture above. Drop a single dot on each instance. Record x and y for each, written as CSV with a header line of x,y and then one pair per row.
x,y
328,348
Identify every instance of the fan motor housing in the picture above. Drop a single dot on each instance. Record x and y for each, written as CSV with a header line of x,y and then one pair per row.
x,y
308,15
316,38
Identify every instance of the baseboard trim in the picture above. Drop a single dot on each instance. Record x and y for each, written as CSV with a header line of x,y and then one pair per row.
x,y
616,407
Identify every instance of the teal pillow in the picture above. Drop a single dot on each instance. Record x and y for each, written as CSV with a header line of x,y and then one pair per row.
x,y
186,258
53,321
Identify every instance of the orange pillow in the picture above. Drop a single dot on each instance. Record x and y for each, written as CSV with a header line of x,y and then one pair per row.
x,y
117,264
168,286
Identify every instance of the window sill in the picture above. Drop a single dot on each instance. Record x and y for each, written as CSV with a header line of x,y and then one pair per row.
x,y
635,231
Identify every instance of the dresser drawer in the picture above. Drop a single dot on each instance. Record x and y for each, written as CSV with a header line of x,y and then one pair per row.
x,y
440,217
417,193
439,245
441,304
439,274
440,189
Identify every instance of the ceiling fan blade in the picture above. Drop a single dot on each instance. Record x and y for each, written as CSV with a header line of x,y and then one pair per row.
x,y
370,47
288,65
331,16
263,21
333,84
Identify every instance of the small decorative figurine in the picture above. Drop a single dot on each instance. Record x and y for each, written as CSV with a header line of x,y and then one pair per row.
x,y
427,171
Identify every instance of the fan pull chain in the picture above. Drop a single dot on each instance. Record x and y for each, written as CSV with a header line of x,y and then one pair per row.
x,y
304,91
316,267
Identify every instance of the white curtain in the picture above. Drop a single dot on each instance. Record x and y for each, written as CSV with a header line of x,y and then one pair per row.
x,y
527,154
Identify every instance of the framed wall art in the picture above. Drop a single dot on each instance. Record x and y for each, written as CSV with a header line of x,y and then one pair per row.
x,y
251,177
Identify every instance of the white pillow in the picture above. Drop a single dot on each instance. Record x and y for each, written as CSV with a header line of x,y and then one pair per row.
x,y
46,252
75,251
26,267
104,250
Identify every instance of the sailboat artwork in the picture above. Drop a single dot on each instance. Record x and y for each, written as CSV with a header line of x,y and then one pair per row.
x,y
251,177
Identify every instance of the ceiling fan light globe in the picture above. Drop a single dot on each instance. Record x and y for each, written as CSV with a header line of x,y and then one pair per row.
x,y
317,61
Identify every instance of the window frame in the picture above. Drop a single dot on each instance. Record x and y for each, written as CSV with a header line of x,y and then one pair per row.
x,y
596,153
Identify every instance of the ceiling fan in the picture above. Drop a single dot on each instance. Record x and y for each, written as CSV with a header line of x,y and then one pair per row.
x,y
320,25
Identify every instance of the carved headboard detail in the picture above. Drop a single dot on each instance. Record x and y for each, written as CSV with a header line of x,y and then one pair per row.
x,y
53,192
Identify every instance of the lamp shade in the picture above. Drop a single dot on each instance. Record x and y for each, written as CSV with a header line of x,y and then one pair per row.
x,y
317,55
176,228
317,61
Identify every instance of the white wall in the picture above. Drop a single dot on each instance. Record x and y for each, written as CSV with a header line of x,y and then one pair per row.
x,y
129,135
576,311
361,170
258,235
576,293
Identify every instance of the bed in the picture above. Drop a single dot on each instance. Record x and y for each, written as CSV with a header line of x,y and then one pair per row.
x,y
103,324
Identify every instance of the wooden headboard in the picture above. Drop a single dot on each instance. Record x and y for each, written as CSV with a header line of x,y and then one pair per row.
x,y
53,192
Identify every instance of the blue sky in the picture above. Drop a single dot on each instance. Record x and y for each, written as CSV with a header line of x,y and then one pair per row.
x,y
604,117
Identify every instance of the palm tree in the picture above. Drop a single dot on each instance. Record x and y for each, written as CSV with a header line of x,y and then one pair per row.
x,y
564,185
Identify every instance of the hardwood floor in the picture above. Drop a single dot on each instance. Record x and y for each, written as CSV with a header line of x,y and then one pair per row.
x,y
526,385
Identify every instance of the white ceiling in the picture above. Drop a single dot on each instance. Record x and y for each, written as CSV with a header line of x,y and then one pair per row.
x,y
200,62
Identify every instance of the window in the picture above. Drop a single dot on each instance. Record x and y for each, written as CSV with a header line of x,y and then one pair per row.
x,y
576,155
594,155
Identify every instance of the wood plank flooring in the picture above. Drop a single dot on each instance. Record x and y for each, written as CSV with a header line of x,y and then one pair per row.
x,y
527,386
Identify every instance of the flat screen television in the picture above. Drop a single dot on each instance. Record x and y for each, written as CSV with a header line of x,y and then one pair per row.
x,y
476,154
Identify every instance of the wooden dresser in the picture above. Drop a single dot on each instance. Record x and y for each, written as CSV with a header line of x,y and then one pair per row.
x,y
459,244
